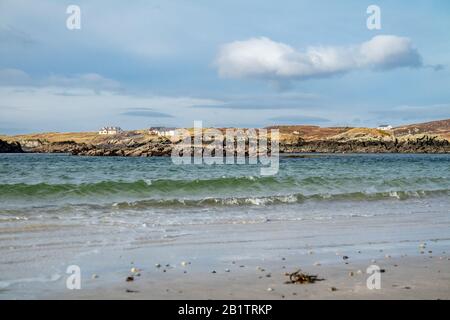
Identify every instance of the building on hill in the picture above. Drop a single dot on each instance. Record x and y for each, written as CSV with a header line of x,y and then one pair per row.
x,y
110,130
384,127
162,131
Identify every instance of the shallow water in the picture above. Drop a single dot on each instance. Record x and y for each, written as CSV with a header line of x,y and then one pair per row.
x,y
39,189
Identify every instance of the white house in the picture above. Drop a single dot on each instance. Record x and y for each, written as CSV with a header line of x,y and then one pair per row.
x,y
162,131
384,127
110,130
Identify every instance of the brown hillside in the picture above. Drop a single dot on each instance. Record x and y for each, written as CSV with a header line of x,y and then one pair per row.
x,y
440,127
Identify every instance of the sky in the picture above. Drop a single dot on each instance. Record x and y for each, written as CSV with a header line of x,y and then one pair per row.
x,y
233,63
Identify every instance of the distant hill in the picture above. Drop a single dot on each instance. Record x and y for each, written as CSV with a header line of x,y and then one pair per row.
x,y
310,132
431,136
440,128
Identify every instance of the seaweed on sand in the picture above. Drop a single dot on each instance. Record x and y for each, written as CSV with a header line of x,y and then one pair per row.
x,y
300,277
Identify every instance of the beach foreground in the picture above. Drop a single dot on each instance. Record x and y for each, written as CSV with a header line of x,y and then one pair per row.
x,y
249,261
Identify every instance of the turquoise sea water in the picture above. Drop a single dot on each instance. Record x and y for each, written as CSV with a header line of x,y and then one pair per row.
x,y
155,190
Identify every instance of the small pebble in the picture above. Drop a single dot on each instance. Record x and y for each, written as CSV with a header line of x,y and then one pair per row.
x,y
227,270
310,252
351,273
317,264
345,257
131,291
134,270
268,275
359,272
387,256
94,276
269,289
129,279
333,289
184,263
158,265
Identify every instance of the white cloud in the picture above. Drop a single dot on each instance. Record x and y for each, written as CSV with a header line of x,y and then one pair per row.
x,y
267,59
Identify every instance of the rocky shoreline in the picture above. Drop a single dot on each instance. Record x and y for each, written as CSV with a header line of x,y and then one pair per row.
x,y
164,146
425,144
429,137
10,147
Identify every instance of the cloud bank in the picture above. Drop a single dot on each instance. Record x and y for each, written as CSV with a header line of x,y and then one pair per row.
x,y
262,58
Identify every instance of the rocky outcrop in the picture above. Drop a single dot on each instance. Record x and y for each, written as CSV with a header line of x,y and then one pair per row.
x,y
54,147
10,147
159,147
352,141
425,144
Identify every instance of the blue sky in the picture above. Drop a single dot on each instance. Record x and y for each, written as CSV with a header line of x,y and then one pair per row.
x,y
228,63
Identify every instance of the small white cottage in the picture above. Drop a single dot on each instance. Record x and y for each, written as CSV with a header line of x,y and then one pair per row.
x,y
384,127
110,130
162,131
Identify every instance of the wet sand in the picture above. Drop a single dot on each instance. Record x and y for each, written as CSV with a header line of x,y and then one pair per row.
x,y
404,278
236,261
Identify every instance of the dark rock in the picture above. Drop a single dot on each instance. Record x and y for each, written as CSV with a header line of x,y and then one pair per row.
x,y
10,147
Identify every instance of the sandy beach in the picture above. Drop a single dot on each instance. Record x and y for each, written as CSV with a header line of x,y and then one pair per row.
x,y
249,261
